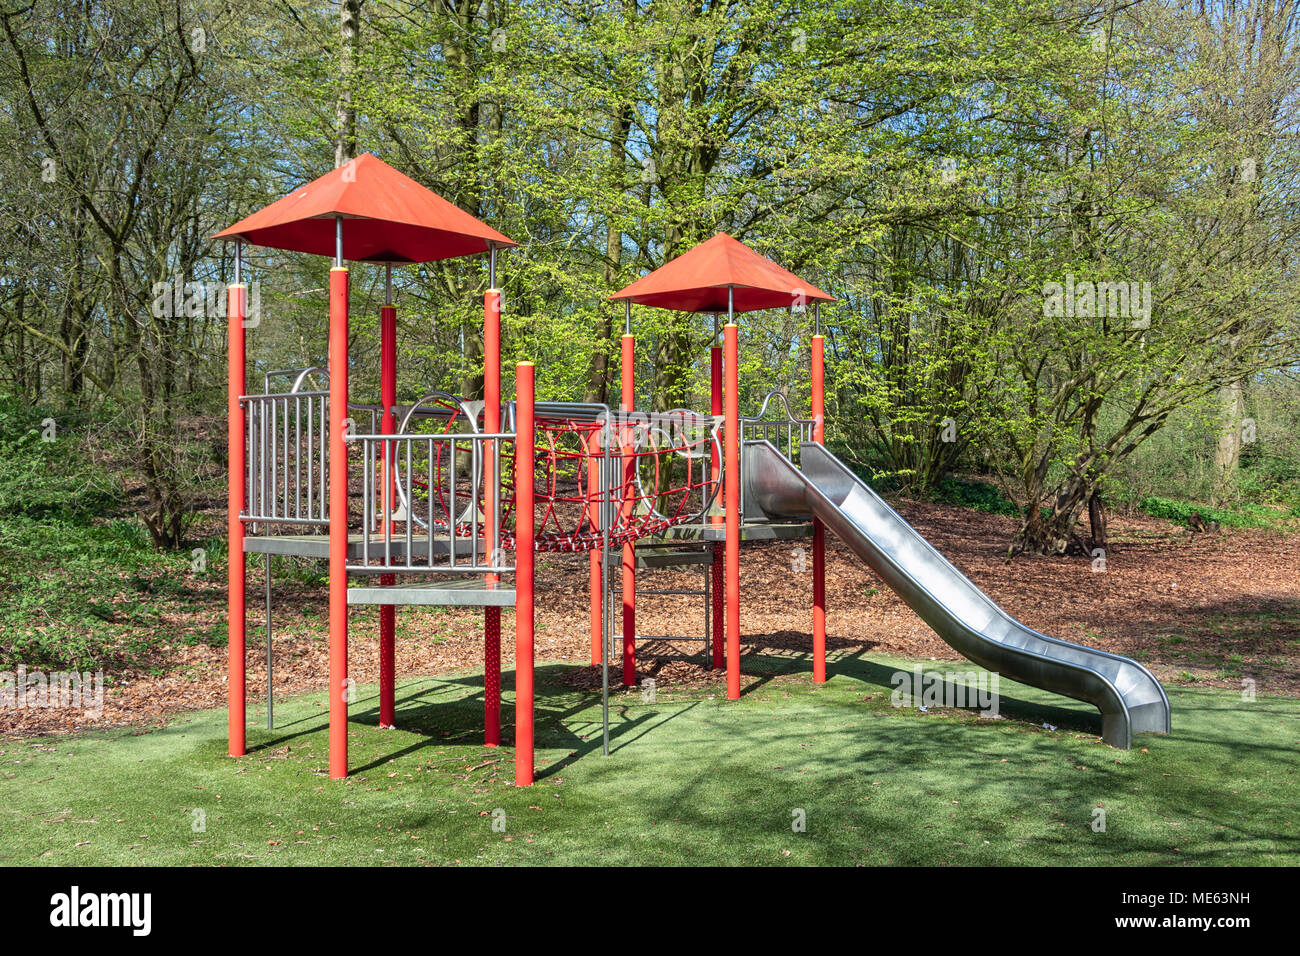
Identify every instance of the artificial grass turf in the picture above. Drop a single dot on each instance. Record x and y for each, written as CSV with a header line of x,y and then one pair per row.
x,y
692,779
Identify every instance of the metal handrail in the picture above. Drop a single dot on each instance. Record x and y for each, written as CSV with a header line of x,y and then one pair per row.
x,y
789,432
485,556
400,481
314,370
461,405
287,436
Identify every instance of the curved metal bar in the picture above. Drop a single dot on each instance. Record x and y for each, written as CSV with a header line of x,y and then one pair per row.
x,y
444,397
707,503
314,370
400,480
785,403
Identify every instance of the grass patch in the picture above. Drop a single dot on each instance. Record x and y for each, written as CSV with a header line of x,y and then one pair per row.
x,y
692,779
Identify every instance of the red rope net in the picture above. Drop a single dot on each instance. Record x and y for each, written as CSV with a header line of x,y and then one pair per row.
x,y
639,475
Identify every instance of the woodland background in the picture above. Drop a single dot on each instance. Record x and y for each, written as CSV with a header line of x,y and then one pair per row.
x,y
934,164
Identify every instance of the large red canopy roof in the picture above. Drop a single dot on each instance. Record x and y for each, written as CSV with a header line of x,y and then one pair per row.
x,y
388,217
697,281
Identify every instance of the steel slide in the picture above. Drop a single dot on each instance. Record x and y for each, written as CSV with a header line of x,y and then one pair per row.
x,y
1129,697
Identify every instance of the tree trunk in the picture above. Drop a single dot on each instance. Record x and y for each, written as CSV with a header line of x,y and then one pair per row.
x,y
20,347
1227,453
1053,531
345,145
598,380
1097,522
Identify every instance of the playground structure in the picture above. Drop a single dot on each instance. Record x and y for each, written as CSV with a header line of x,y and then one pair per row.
x,y
445,491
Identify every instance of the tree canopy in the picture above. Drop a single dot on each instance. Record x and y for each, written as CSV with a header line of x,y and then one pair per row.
x,y
1050,227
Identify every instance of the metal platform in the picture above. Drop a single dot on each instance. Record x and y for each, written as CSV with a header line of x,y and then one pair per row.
x,y
660,552
468,593
753,531
318,546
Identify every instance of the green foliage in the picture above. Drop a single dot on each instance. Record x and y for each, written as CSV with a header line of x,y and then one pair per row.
x,y
48,478
979,495
934,171
1244,516
1269,475
86,596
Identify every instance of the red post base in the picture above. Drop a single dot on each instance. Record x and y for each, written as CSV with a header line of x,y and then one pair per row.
x,y
596,606
387,658
718,615
629,615
492,676
819,603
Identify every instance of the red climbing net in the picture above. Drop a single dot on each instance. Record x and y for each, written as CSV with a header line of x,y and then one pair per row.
x,y
596,480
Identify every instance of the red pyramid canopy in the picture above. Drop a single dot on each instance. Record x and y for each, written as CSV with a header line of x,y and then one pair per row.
x,y
697,281
390,218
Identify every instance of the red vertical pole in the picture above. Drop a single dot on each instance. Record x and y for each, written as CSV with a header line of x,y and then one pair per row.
x,y
731,475
595,555
235,436
491,425
387,612
717,585
524,546
819,530
628,404
338,511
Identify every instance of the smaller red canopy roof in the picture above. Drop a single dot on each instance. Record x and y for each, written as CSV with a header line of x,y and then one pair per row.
x,y
697,281
389,218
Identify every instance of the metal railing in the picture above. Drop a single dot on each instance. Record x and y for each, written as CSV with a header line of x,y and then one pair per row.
x,y
785,434
287,440
287,435
434,518
457,528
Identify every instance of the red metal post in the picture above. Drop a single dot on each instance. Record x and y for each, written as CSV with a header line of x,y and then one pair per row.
x,y
716,616
819,530
387,426
524,545
628,404
594,450
235,611
731,475
491,425
338,512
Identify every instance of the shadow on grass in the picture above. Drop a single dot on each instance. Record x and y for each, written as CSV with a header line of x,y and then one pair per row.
x,y
763,668
952,791
449,711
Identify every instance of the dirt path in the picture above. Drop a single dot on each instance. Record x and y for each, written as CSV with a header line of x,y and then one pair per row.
x,y
1210,609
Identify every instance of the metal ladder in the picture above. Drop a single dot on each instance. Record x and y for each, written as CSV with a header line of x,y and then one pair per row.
x,y
670,554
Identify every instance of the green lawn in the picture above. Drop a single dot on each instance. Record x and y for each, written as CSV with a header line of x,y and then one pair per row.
x,y
691,779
